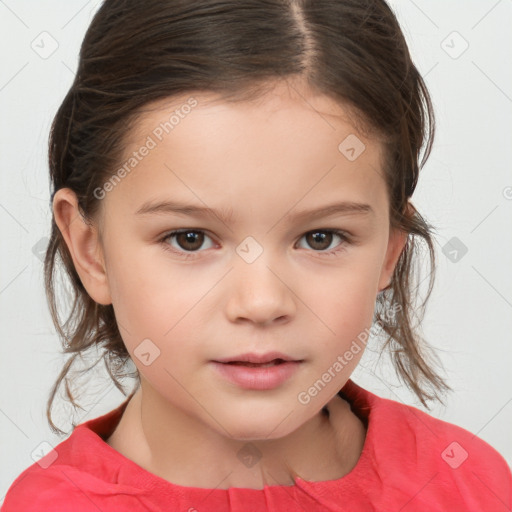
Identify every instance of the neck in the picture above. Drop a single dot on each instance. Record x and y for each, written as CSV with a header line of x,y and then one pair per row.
x,y
326,447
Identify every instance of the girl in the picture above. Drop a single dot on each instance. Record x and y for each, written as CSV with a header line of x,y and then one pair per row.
x,y
231,201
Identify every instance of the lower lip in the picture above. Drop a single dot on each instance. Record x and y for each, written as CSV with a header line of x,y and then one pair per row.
x,y
252,377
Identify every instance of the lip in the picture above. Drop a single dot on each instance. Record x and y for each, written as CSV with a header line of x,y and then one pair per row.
x,y
251,357
265,378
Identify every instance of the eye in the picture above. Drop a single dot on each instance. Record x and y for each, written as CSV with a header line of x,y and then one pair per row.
x,y
187,240
321,240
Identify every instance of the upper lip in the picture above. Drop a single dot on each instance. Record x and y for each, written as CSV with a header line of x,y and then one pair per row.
x,y
252,357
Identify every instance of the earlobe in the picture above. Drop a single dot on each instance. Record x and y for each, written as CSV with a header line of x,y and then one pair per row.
x,y
83,245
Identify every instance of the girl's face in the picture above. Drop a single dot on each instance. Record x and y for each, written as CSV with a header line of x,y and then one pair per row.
x,y
245,180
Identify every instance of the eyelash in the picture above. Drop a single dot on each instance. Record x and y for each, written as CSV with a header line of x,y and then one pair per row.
x,y
346,239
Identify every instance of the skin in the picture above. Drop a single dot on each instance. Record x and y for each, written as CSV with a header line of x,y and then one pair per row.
x,y
266,159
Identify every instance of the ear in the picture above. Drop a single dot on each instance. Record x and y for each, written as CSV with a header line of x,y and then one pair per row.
x,y
83,244
396,243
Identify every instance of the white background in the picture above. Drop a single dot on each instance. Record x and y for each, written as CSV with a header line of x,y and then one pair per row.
x,y
462,191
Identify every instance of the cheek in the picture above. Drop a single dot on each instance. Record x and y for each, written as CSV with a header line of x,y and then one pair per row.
x,y
344,297
346,311
158,302
144,287
344,304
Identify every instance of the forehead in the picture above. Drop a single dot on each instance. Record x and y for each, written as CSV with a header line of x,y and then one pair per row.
x,y
290,96
284,145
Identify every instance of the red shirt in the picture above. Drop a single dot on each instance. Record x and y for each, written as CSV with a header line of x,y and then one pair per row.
x,y
410,461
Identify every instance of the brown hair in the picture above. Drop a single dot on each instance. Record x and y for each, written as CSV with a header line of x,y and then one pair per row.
x,y
135,53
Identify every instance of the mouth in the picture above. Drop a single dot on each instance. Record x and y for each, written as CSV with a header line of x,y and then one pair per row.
x,y
259,360
266,374
274,362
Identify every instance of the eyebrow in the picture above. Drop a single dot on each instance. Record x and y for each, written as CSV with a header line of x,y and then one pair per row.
x,y
226,215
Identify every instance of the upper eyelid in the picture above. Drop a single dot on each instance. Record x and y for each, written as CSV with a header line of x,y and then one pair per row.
x,y
335,231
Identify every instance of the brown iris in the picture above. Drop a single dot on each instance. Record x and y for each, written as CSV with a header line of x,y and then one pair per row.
x,y
190,240
319,237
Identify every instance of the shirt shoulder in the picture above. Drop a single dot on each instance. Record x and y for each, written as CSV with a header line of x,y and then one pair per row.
x,y
81,474
447,459
38,489
64,488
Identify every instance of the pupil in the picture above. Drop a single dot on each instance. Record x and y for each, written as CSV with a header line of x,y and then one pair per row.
x,y
318,238
191,238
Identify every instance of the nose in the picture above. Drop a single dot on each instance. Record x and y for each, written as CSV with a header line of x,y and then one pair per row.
x,y
259,294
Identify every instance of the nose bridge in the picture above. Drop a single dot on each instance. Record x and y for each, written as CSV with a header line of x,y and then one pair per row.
x,y
259,293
